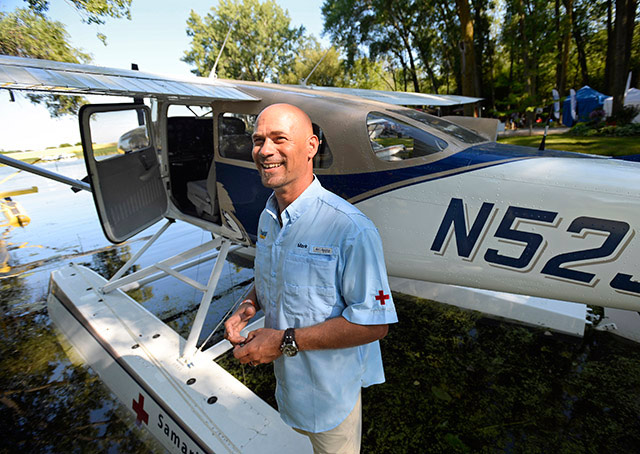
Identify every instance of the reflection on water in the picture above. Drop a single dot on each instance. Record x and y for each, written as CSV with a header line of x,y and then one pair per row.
x,y
47,403
106,263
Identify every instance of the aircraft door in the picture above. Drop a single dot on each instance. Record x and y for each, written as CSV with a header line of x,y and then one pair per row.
x,y
122,164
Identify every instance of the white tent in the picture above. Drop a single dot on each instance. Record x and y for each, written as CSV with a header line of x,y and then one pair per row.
x,y
631,99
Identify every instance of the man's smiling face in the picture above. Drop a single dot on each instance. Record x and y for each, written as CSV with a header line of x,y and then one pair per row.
x,y
283,149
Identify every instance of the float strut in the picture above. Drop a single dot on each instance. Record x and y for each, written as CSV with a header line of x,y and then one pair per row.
x,y
194,334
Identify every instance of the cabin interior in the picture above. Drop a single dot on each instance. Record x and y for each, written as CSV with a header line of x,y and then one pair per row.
x,y
191,142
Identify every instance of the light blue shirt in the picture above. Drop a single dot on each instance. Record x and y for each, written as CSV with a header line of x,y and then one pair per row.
x,y
325,261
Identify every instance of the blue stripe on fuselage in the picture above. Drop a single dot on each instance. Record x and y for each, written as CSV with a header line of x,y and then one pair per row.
x,y
249,196
488,154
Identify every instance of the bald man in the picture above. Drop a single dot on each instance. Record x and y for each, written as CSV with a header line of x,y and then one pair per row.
x,y
321,281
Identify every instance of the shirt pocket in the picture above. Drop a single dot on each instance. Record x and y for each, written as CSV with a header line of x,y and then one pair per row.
x,y
310,287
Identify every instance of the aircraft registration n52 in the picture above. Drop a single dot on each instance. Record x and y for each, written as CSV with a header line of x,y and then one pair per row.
x,y
452,207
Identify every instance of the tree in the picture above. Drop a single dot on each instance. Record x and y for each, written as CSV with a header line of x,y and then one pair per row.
x,y
368,74
529,34
429,40
623,33
28,32
429,44
469,70
261,46
25,33
484,46
385,26
316,66
92,11
582,18
610,45
331,70
564,25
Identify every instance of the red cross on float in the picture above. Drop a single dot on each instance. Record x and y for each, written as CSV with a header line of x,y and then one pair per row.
x,y
138,408
382,297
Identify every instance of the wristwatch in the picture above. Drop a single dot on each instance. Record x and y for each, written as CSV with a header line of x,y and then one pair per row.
x,y
289,346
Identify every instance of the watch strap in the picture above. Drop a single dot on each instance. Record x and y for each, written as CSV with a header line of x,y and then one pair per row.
x,y
289,336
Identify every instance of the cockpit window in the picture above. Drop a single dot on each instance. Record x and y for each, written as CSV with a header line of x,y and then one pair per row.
x,y
323,158
235,142
452,129
393,140
234,135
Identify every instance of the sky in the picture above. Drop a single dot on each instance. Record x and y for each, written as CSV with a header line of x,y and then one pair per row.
x,y
155,39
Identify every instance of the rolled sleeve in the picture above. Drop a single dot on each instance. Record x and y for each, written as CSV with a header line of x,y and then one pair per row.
x,y
365,286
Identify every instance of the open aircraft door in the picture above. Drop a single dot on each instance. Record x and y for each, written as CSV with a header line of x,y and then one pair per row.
x,y
123,168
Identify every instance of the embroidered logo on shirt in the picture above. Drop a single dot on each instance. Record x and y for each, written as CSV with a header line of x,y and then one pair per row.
x,y
322,250
381,296
302,245
263,234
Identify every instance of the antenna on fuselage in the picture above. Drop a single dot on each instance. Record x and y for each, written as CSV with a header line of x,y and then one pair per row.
x,y
213,74
304,81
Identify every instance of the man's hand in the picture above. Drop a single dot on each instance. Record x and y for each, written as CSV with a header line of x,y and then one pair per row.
x,y
237,322
260,347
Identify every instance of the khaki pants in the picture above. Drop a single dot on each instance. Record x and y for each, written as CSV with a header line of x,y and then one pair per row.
x,y
344,439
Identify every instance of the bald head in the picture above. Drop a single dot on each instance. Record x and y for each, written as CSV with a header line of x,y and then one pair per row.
x,y
283,149
289,113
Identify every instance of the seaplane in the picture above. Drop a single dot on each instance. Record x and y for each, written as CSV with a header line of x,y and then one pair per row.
x,y
518,233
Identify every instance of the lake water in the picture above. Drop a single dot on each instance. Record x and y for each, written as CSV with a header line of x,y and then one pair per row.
x,y
47,403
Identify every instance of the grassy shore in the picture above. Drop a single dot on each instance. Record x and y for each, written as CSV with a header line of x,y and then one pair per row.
x,y
608,146
52,154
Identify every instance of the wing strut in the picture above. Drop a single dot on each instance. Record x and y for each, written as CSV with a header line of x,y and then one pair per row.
x,y
172,267
6,160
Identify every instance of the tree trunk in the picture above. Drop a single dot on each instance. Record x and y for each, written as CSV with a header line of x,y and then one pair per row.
x,y
558,48
404,35
468,68
625,22
582,54
566,42
480,37
404,69
611,44
434,80
528,59
414,73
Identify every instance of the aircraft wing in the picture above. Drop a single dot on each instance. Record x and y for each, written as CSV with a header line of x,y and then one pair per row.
x,y
17,73
401,98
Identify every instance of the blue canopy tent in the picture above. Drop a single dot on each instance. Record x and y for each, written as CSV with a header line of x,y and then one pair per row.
x,y
587,100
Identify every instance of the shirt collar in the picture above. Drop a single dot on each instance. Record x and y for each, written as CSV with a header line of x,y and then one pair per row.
x,y
298,206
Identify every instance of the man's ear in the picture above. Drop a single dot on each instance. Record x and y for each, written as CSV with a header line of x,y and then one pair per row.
x,y
312,143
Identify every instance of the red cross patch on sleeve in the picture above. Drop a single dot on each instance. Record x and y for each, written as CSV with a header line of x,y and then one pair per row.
x,y
381,296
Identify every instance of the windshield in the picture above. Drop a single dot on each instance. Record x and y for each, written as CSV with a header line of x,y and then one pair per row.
x,y
393,140
460,133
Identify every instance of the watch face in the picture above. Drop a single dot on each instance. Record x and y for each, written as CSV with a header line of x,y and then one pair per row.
x,y
289,350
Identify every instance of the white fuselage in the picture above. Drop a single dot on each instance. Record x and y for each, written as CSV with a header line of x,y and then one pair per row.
x,y
570,236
